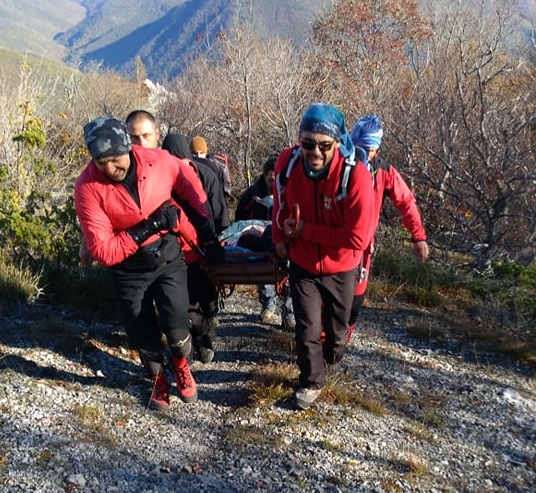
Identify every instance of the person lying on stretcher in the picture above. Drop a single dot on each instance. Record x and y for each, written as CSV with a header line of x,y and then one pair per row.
x,y
246,237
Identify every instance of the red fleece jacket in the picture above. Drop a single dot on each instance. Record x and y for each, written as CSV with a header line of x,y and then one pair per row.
x,y
106,210
335,232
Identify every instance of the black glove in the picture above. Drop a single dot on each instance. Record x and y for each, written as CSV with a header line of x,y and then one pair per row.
x,y
205,231
164,218
214,252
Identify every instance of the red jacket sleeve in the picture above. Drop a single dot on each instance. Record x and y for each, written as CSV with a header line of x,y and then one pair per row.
x,y
106,211
106,243
404,200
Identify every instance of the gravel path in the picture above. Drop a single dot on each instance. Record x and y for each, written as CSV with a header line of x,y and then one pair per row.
x,y
436,416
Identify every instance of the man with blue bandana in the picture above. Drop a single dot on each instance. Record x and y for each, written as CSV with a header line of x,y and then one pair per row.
x,y
367,133
321,222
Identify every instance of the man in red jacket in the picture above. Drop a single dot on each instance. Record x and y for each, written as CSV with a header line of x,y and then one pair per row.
x,y
367,133
123,204
320,181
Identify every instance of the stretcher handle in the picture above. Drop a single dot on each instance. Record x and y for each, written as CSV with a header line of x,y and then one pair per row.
x,y
295,214
191,243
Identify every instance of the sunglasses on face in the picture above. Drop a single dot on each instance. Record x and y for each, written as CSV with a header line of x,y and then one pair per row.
x,y
310,145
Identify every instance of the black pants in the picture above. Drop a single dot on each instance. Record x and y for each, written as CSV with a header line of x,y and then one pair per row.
x,y
139,295
203,296
320,302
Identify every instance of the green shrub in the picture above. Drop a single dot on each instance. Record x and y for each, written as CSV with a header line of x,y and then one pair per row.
x,y
418,282
511,286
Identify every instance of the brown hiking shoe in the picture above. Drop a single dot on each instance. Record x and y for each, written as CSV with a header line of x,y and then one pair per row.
x,y
184,379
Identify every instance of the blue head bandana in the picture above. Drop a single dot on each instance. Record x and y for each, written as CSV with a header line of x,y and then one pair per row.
x,y
106,137
326,119
368,132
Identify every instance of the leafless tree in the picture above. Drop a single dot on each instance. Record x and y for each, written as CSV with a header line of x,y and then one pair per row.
x,y
464,127
364,45
245,99
454,92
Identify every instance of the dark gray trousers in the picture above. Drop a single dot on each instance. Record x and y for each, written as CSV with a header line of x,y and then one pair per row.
x,y
320,302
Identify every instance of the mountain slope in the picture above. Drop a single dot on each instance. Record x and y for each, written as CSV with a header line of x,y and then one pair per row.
x,y
165,33
161,43
31,26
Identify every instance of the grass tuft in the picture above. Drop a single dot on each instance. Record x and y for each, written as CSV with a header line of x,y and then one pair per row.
x,y
91,420
18,283
339,389
274,382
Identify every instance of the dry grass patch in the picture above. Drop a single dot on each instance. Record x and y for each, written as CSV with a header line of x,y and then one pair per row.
x,y
92,424
417,466
417,431
330,446
274,382
432,418
285,340
277,382
413,467
241,437
339,389
18,283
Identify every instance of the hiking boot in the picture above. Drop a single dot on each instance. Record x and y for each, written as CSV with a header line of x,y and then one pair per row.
x,y
289,323
212,322
160,393
206,354
203,349
268,317
184,379
305,397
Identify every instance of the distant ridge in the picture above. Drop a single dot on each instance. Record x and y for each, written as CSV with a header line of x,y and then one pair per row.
x,y
164,33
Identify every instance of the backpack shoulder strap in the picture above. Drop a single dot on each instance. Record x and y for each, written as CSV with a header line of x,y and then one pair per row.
x,y
362,154
346,171
287,170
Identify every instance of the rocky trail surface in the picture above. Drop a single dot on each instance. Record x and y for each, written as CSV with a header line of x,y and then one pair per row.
x,y
435,415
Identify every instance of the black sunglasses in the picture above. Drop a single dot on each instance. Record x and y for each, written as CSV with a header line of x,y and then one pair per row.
x,y
310,145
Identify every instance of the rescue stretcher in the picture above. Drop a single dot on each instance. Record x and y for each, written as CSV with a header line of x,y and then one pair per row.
x,y
254,268
243,268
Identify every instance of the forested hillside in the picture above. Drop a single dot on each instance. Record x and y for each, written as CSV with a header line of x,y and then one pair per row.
x,y
165,34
